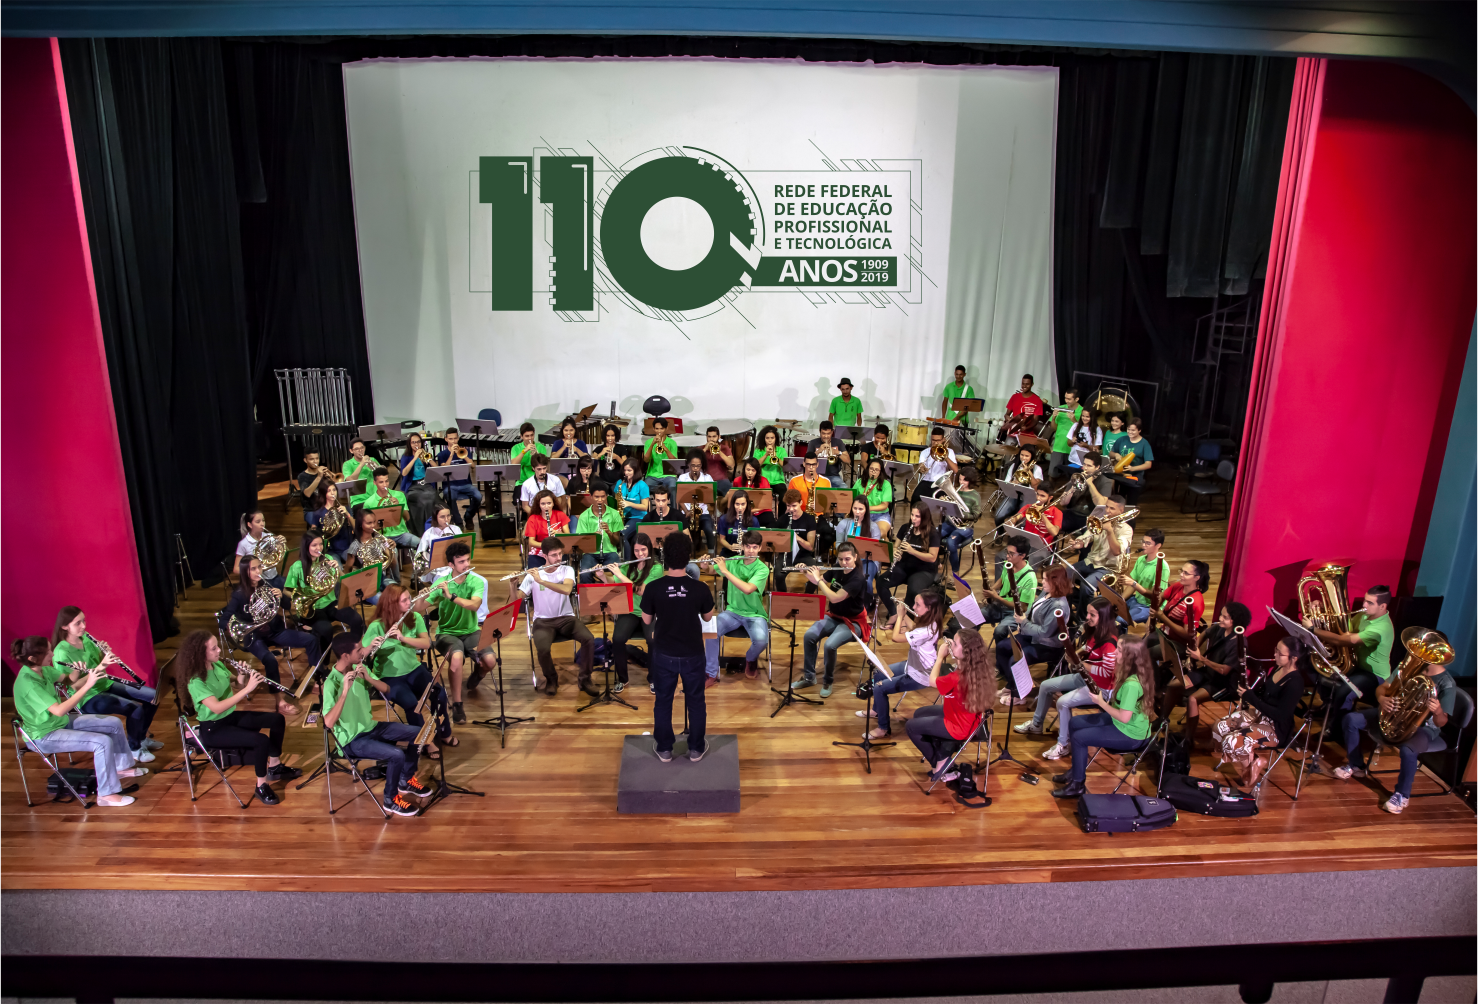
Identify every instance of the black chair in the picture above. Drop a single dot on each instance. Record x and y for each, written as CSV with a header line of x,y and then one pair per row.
x,y
1446,757
1220,486
1202,465
981,737
335,759
193,745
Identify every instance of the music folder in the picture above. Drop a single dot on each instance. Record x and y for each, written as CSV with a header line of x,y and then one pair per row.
x,y
617,596
658,531
360,586
833,501
776,541
798,606
694,491
585,543
870,549
390,515
499,622
759,499
439,546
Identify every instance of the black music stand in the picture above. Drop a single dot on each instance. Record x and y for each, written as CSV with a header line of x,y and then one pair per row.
x,y
867,745
493,632
613,598
794,606
1005,747
444,788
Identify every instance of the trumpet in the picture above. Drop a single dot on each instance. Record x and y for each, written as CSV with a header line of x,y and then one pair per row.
x,y
460,453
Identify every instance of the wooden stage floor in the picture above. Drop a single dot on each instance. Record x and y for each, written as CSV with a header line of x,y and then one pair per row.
x,y
811,818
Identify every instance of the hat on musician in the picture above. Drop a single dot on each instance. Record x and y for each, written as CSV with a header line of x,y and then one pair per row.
x,y
844,382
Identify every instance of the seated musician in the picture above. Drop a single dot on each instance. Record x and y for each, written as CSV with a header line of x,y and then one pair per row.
x,y
955,537
1105,547
634,498
1148,578
696,475
1276,700
1371,638
804,541
831,454
525,450
325,609
747,578
459,599
1115,433
274,632
454,454
253,529
876,491
552,616
441,527
860,523
1037,633
937,461
771,456
584,474
51,728
1025,404
844,618
72,647
1042,519
1211,664
915,560
964,698
360,466
1132,478
1427,736
657,448
603,520
1098,652
313,477
347,712
610,456
955,390
396,662
359,547
570,445
734,524
1024,470
806,482
1085,436
1058,423
880,446
1123,723
1178,617
545,522
845,410
751,478
203,683
328,502
921,627
541,480
630,625
381,496
718,461
1018,584
411,466
1087,490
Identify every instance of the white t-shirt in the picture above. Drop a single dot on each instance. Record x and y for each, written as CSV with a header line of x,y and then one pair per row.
x,y
531,487
1084,441
923,647
546,603
936,469
248,545
432,535
700,479
1011,471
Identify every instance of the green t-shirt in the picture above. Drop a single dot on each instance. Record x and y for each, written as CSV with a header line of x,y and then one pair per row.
x,y
89,654
216,683
524,455
374,500
773,473
1143,572
1126,698
667,450
35,693
1111,440
609,529
1142,451
844,412
881,494
1026,586
1373,652
742,604
452,618
355,717
295,580
972,504
395,658
1062,421
653,573
351,465
952,391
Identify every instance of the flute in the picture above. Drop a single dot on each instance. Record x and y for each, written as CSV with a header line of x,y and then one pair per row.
x,y
530,571
375,647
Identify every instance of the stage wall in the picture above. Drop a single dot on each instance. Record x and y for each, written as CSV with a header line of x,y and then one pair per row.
x,y
733,235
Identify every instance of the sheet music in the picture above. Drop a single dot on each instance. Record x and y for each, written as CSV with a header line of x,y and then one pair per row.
x,y
1022,674
872,657
968,609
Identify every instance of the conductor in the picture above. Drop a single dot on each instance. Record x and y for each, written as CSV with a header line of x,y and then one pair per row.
x,y
674,604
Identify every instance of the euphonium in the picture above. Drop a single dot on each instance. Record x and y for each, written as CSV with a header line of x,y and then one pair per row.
x,y
952,494
270,551
1323,600
1409,686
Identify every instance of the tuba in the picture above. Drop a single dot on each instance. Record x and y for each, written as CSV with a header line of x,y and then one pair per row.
x,y
951,493
1323,599
321,580
260,609
270,551
1409,686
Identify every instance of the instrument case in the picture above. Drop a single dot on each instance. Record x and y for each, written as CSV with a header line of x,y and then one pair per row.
x,y
1206,798
1123,813
81,778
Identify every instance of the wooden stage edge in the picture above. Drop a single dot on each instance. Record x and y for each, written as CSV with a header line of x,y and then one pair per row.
x,y
811,818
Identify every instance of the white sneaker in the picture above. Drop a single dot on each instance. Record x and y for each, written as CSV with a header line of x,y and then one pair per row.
x,y
1029,729
1345,772
142,755
1394,804
1056,752
153,744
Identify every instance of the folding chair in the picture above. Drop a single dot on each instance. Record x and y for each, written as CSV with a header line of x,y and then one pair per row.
x,y
1462,715
983,735
21,748
192,743
335,759
739,632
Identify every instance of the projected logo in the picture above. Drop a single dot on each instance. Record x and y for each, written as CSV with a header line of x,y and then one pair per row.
x,y
679,233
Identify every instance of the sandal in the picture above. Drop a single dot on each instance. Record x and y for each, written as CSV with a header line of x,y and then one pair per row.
x,y
451,741
433,754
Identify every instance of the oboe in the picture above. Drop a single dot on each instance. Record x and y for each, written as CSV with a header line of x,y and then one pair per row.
x,y
243,668
106,650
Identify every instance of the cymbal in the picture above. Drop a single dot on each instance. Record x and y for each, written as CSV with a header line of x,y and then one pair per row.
x,y
789,423
1000,450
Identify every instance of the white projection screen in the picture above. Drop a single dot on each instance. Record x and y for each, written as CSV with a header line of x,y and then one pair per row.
x,y
536,235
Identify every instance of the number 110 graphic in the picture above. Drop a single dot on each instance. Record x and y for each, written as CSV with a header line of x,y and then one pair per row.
x,y
566,184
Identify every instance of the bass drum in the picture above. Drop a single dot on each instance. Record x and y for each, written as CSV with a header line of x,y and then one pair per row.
x,y
912,437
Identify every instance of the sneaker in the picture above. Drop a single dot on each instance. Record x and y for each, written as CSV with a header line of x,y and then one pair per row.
x,y
401,807
1395,803
1029,729
153,744
476,678
414,787
711,681
459,717
617,687
282,772
698,755
751,670
1056,752
142,755
664,755
802,683
826,689
953,775
1347,771
133,772
120,800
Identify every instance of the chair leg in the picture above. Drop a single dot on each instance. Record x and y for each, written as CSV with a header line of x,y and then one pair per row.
x,y
20,763
56,769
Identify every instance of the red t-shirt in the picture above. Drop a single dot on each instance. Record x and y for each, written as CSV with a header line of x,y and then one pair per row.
x,y
713,464
1025,404
764,483
536,528
1051,513
960,723
1101,662
1172,601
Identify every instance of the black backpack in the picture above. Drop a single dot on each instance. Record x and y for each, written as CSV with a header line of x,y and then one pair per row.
x,y
966,791
81,778
1207,798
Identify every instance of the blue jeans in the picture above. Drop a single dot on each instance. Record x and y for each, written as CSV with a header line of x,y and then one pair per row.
x,y
408,539
665,671
100,735
379,744
1097,730
1065,693
136,704
670,484
836,634
305,640
1139,611
883,688
405,693
455,491
1420,742
589,561
633,527
757,628
955,538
